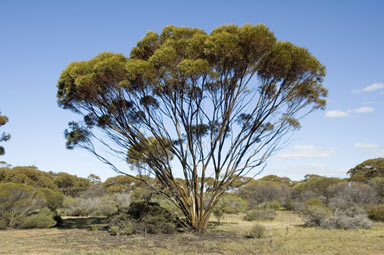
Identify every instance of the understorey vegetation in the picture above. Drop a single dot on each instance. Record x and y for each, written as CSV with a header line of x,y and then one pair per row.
x,y
30,198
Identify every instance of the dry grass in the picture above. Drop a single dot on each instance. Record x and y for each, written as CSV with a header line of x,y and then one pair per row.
x,y
285,235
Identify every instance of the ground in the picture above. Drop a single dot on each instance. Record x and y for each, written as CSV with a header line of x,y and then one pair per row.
x,y
285,235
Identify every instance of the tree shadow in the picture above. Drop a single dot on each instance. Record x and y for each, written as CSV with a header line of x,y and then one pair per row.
x,y
84,223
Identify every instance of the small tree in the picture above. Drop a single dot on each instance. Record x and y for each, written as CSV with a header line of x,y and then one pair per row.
x,y
3,137
368,169
210,105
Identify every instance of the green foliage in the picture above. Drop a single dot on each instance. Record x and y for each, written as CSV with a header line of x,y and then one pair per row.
x,y
149,148
22,206
93,206
3,137
94,190
277,179
257,231
368,169
342,214
94,178
143,218
232,204
45,218
71,185
274,205
218,212
140,193
266,190
119,184
314,215
29,175
181,93
315,201
377,184
53,199
355,193
316,184
341,220
260,215
376,212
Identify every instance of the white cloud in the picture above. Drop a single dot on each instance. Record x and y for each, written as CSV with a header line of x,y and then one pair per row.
x,y
344,114
372,149
307,152
364,109
373,87
337,114
366,146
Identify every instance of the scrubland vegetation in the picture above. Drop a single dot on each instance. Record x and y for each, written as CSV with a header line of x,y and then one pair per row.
x,y
270,215
187,98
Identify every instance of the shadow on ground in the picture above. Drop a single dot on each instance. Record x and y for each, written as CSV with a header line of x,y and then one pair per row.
x,y
84,223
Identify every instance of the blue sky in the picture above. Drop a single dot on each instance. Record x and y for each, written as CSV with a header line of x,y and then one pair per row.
x,y
40,38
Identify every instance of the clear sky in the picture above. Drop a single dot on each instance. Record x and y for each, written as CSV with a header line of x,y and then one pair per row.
x,y
38,39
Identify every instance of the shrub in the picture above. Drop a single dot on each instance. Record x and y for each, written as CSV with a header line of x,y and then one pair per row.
x,y
232,204
316,184
265,190
260,214
290,205
218,212
122,200
142,218
43,219
96,206
94,190
341,220
53,199
274,205
315,201
257,231
313,215
121,224
341,215
356,193
18,201
376,212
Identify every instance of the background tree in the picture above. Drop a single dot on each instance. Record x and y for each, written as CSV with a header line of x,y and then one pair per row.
x,y
3,137
211,105
368,169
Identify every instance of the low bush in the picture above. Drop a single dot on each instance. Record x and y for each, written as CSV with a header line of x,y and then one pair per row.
x,y
343,215
341,220
257,231
123,200
142,218
232,204
23,206
313,215
274,205
376,212
315,201
121,224
53,199
45,218
96,206
260,214
218,212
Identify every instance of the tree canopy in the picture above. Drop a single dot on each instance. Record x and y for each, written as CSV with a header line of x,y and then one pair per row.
x,y
368,169
211,105
3,137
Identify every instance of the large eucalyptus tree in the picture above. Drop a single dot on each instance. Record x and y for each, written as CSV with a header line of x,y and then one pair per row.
x,y
205,106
